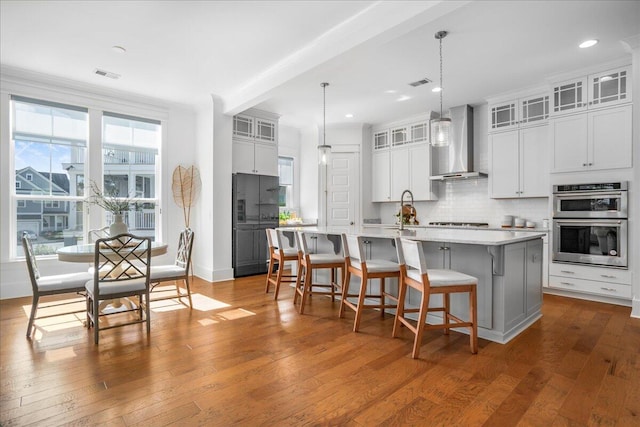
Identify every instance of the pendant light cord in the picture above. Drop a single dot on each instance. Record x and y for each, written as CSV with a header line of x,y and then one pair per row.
x,y
441,89
324,116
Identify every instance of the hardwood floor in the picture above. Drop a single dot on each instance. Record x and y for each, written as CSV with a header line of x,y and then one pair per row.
x,y
241,358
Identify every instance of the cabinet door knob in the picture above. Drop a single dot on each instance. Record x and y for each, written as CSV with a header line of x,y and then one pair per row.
x,y
590,164
584,164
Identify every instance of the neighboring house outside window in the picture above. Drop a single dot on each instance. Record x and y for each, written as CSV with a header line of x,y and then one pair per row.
x,y
47,135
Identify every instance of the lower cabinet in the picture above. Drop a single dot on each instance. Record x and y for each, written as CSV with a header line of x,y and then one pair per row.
x,y
517,285
473,260
600,281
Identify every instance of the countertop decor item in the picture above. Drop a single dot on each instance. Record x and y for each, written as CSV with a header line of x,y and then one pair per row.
x,y
186,187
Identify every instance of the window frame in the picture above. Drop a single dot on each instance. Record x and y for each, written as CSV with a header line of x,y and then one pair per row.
x,y
96,104
290,188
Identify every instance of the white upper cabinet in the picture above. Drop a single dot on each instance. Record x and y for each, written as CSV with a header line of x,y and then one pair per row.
x,y
596,90
381,177
255,143
255,128
381,140
401,161
521,112
518,163
420,132
399,136
598,140
255,158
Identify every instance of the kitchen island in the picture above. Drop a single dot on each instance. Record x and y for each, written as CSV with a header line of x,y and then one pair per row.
x,y
508,265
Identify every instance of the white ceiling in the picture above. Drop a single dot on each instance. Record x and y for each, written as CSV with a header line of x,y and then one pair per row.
x,y
275,54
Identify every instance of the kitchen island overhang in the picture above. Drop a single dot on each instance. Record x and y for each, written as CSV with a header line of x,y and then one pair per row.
x,y
508,265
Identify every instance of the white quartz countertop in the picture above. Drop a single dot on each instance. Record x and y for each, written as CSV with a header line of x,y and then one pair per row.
x,y
473,236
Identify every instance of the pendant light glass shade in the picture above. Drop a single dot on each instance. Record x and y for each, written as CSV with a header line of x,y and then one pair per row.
x,y
440,128
324,150
440,131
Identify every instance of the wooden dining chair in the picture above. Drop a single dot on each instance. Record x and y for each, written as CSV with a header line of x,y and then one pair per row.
x,y
308,262
178,271
414,274
366,270
279,254
126,260
49,285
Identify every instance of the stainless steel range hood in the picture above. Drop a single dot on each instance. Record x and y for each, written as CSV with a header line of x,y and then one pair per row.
x,y
455,161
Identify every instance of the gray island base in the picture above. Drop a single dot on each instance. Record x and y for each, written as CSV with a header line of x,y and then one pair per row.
x,y
508,265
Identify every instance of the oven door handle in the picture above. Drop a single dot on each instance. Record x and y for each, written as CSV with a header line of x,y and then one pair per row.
x,y
610,223
562,196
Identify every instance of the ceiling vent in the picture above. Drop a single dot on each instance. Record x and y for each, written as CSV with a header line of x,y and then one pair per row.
x,y
109,74
420,82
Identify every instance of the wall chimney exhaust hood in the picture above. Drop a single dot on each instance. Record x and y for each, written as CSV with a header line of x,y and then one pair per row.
x,y
455,161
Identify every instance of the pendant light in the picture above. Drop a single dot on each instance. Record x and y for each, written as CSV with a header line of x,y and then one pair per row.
x,y
440,127
324,150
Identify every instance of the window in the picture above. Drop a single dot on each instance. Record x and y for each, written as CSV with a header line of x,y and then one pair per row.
x,y
130,148
48,137
50,146
285,173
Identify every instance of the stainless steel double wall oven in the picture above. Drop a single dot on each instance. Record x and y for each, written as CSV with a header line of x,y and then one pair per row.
x,y
590,224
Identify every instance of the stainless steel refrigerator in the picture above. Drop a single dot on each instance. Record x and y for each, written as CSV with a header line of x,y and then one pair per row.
x,y
255,208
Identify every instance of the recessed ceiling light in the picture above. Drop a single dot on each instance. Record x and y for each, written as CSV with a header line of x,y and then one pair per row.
x,y
118,49
403,98
349,116
390,91
436,89
588,43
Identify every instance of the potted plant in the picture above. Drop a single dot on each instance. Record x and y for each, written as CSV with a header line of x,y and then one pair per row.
x,y
110,201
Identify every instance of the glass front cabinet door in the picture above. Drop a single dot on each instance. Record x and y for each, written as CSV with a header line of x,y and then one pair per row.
x,y
609,88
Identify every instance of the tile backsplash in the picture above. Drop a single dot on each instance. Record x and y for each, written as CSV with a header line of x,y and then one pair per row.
x,y
468,200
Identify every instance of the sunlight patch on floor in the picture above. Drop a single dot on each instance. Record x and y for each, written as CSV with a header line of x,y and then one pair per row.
x,y
224,316
55,324
60,354
204,303
62,306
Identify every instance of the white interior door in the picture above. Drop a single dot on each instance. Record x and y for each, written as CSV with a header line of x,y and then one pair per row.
x,y
343,189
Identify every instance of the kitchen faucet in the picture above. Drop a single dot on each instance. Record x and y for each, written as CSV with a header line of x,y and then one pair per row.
x,y
402,206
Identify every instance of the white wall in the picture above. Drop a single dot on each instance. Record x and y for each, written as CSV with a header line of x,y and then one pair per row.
x,y
212,244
